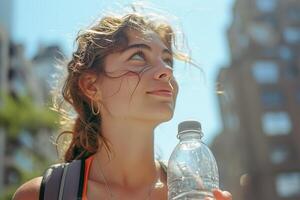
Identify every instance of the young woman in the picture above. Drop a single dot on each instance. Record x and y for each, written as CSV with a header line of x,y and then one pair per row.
x,y
120,83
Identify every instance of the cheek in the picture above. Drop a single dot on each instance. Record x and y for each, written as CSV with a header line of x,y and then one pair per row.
x,y
116,97
120,89
111,90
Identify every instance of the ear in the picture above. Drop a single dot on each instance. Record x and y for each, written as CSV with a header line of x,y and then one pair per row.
x,y
88,85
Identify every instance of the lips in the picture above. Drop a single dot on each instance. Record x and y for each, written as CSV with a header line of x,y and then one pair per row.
x,y
163,92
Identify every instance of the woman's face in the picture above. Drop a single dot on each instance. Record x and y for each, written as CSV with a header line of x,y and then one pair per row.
x,y
149,93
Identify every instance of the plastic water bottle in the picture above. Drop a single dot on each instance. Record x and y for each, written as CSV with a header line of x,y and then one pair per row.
x,y
192,168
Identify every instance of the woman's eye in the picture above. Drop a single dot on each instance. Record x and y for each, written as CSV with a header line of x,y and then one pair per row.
x,y
138,56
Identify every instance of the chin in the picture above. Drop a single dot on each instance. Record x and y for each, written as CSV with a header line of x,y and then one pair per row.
x,y
158,118
164,117
157,114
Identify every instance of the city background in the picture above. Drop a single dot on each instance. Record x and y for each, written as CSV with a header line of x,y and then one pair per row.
x,y
247,97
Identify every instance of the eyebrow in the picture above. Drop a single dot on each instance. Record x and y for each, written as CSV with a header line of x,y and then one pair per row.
x,y
144,46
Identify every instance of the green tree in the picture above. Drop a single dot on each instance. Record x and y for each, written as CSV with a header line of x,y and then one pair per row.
x,y
17,114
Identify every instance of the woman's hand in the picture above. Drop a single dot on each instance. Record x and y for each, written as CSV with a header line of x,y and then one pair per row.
x,y
220,195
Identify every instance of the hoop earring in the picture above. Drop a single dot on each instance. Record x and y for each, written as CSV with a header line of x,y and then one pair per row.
x,y
98,108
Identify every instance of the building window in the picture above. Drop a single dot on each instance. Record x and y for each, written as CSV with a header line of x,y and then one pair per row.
x,y
21,159
276,123
262,33
265,72
271,99
292,35
279,154
285,53
288,184
26,138
266,5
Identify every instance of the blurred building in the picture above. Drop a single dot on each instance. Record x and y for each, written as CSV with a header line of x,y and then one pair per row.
x,y
45,70
5,28
20,76
6,18
259,97
4,52
22,80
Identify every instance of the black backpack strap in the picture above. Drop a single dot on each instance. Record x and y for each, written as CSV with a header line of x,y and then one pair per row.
x,y
74,181
51,182
63,181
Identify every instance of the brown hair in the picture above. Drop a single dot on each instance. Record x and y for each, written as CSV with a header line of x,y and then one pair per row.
x,y
106,36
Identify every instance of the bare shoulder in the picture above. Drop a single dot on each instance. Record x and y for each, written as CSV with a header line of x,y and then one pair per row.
x,y
29,190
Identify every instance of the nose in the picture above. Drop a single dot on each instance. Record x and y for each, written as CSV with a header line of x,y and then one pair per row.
x,y
163,72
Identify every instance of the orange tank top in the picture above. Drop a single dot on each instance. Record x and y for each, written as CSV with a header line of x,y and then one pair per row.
x,y
88,163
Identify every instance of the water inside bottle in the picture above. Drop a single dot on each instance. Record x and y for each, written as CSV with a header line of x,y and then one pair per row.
x,y
188,188
193,195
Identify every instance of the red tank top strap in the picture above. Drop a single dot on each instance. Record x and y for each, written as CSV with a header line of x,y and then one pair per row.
x,y
88,163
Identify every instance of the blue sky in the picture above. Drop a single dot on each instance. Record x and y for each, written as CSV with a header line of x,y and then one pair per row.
x,y
204,24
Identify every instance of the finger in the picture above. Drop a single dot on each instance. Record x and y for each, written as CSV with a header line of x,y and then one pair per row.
x,y
227,195
222,195
217,193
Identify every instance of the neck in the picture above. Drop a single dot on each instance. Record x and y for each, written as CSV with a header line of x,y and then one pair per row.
x,y
132,163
